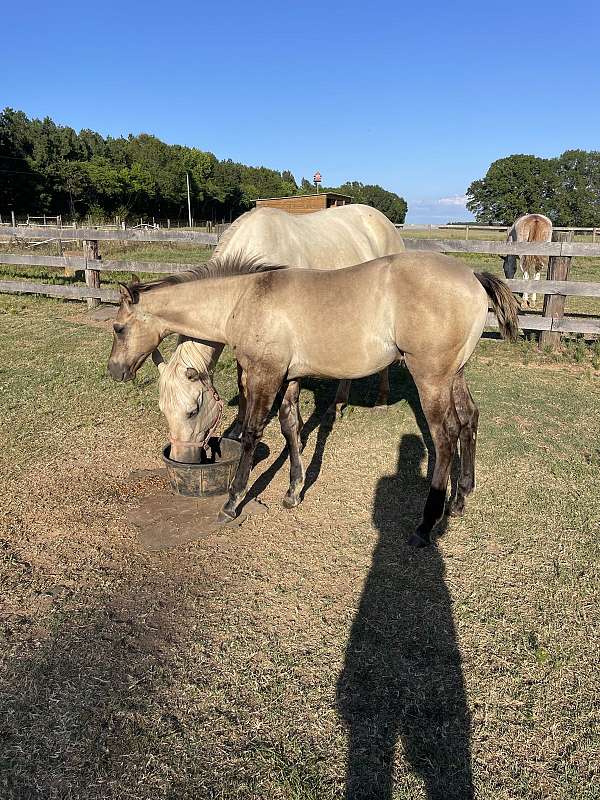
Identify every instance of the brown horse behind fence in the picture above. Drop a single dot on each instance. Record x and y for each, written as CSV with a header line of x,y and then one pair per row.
x,y
528,228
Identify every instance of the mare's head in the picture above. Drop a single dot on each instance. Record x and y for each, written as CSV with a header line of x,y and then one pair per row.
x,y
188,400
136,335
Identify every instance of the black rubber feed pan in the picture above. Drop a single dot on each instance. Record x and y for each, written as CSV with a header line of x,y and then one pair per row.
x,y
206,479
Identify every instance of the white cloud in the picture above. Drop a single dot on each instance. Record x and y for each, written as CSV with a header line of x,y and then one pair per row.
x,y
438,211
455,200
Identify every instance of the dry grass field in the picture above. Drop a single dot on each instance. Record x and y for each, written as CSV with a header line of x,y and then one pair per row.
x,y
308,654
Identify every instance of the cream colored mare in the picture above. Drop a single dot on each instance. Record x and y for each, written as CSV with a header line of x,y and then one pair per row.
x,y
428,309
528,228
330,239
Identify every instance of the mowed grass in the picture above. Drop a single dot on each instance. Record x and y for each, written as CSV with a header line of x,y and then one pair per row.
x,y
310,653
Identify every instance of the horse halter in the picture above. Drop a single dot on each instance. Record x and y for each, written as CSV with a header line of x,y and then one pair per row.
x,y
203,443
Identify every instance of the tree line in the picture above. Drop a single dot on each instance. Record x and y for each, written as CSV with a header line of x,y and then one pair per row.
x,y
566,189
47,168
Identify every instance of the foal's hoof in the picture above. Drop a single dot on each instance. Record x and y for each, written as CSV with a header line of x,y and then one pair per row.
x,y
290,500
224,517
456,509
335,412
416,540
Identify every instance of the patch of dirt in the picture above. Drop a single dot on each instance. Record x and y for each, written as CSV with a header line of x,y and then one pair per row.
x,y
166,520
101,317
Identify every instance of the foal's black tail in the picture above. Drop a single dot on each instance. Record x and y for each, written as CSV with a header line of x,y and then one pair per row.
x,y
503,302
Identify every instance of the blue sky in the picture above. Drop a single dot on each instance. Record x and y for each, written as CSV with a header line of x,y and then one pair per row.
x,y
418,97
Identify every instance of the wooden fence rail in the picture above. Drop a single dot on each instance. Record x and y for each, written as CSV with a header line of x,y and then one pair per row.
x,y
60,290
117,235
486,247
570,288
482,246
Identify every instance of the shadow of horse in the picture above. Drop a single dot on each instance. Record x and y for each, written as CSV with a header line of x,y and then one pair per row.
x,y
362,394
402,681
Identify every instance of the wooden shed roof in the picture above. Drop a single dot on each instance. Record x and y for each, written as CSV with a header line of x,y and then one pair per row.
x,y
314,194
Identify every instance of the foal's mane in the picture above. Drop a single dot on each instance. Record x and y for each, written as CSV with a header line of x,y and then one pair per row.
x,y
216,267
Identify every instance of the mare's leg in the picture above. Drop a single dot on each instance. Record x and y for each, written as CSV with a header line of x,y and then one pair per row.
x,y
261,392
291,425
383,396
525,295
534,296
444,427
336,409
468,415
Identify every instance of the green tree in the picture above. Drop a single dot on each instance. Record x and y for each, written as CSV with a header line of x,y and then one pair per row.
x,y
50,168
577,200
389,203
513,186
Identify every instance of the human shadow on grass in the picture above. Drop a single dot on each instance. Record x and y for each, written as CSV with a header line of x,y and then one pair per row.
x,y
402,683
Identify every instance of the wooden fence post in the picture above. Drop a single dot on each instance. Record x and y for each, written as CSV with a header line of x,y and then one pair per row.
x,y
92,276
554,304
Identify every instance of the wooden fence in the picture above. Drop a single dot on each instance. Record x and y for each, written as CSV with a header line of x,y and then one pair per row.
x,y
551,322
467,227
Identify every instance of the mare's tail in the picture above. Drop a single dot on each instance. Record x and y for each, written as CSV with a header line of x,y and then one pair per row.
x,y
503,302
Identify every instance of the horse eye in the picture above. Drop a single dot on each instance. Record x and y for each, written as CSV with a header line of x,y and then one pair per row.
x,y
193,413
118,329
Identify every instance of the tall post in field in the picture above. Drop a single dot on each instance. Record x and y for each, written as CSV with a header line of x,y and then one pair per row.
x,y
554,304
187,177
92,276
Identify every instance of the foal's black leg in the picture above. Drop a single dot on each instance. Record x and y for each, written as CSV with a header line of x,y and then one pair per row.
x,y
444,427
260,397
235,431
291,425
383,394
468,414
337,408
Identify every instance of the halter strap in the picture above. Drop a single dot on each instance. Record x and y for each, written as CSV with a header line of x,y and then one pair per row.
x,y
203,443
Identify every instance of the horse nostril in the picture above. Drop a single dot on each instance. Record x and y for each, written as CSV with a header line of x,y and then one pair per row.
x,y
117,372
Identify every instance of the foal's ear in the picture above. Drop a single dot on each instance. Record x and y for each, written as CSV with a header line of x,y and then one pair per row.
x,y
126,293
192,374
